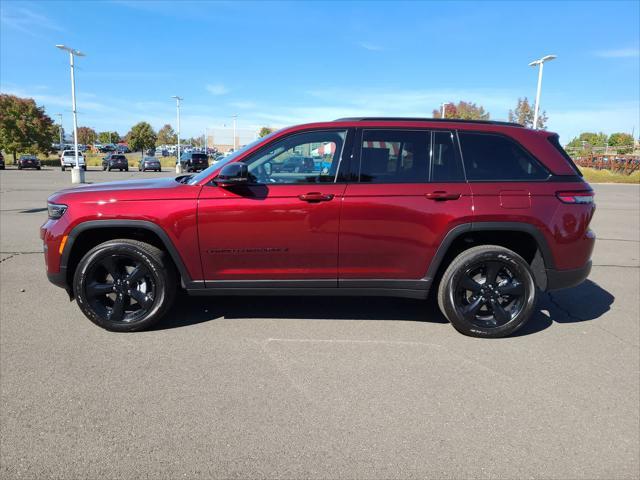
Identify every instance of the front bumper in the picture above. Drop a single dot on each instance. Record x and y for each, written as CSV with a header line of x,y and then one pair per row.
x,y
557,279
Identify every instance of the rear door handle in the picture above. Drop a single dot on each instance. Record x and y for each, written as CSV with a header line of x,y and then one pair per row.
x,y
440,195
316,197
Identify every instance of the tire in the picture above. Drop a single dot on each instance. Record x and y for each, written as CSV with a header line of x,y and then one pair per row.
x,y
108,169
62,168
126,169
84,167
156,276
480,307
38,168
19,167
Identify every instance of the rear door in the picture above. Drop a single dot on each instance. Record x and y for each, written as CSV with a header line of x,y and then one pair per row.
x,y
408,191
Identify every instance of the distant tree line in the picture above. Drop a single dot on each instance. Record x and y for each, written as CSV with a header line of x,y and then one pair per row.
x,y
26,128
584,143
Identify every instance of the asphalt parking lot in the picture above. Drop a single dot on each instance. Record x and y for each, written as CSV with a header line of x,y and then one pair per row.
x,y
316,387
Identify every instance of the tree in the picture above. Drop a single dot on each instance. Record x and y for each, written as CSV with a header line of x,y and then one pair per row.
x,y
524,112
141,137
264,131
623,142
589,139
24,127
462,110
87,135
167,136
108,137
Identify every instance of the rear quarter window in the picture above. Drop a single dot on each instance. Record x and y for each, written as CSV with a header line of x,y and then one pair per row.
x,y
493,157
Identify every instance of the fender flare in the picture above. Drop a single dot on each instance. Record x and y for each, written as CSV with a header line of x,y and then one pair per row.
x,y
542,261
139,224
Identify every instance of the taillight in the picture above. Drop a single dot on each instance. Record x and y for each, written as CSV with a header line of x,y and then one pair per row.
x,y
582,196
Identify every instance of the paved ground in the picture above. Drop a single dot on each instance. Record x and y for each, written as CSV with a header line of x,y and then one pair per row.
x,y
317,388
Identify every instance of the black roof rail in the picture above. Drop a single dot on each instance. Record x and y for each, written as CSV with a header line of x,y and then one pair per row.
x,y
419,119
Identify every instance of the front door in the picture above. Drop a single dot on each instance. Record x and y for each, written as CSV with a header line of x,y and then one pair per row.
x,y
408,192
282,230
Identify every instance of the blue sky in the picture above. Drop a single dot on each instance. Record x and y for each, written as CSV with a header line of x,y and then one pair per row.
x,y
283,63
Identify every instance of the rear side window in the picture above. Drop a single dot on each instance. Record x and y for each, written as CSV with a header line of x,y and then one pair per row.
x,y
445,162
491,157
394,156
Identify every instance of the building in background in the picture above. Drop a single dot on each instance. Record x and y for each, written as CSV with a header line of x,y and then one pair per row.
x,y
222,138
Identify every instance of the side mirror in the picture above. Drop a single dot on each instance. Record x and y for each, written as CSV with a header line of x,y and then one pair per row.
x,y
236,173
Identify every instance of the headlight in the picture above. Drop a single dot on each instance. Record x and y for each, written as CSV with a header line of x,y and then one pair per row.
x,y
56,210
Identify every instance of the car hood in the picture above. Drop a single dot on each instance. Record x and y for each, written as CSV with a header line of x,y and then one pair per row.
x,y
153,188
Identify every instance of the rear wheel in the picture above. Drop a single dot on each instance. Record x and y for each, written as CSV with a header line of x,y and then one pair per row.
x,y
62,168
487,291
124,285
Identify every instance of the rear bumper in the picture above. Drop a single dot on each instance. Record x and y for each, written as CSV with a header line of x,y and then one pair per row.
x,y
557,279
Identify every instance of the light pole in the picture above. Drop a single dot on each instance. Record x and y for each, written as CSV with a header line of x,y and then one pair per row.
x,y
77,174
540,62
235,117
60,130
178,164
444,106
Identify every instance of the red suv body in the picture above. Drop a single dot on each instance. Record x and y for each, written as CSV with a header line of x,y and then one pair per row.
x,y
488,213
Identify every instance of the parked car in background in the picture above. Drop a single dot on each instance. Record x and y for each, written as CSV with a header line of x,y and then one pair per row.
x,y
295,164
28,161
150,152
115,161
1,161
194,162
149,163
68,160
107,148
121,148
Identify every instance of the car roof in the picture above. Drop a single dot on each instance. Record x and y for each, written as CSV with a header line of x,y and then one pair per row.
x,y
425,119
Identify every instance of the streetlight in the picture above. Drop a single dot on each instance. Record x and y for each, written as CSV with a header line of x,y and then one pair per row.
x,y
444,106
178,164
60,129
77,174
235,117
540,62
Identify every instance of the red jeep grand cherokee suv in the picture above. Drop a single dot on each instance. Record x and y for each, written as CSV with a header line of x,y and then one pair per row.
x,y
487,213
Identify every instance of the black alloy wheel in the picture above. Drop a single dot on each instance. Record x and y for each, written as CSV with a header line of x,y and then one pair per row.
x,y
487,291
124,285
488,294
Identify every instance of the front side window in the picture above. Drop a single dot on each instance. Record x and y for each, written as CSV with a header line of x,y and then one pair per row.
x,y
309,157
491,157
394,156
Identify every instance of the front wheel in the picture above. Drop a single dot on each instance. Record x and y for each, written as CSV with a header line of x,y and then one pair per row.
x,y
124,285
62,168
487,291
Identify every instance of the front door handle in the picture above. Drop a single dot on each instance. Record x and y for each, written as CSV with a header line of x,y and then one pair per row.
x,y
316,197
440,195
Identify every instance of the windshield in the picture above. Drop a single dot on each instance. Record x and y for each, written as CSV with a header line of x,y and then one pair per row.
x,y
228,159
